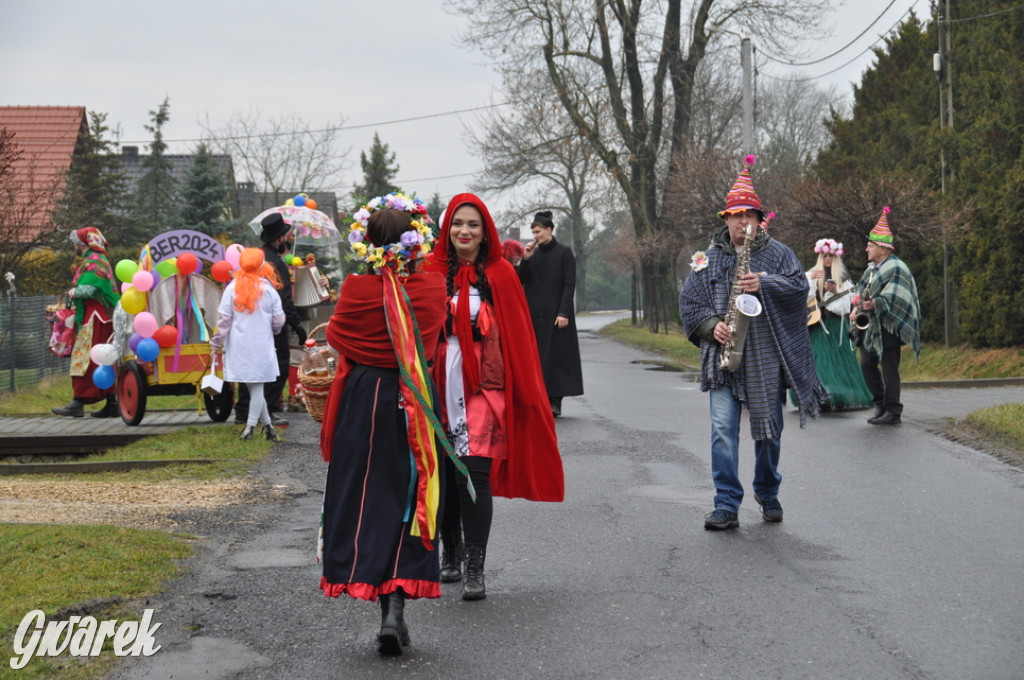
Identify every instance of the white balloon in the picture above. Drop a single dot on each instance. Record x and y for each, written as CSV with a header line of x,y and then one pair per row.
x,y
104,354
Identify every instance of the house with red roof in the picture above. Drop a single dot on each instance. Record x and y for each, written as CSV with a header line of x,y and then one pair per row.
x,y
46,137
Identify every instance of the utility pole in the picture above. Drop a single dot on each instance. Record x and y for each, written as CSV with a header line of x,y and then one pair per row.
x,y
746,61
942,65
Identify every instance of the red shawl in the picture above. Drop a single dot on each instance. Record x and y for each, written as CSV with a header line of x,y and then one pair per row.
x,y
358,331
532,468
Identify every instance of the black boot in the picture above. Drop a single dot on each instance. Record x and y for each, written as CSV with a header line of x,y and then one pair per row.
x,y
451,559
109,410
393,632
74,409
473,585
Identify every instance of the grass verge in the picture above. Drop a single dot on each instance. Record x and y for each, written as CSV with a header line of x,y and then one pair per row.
x,y
56,391
52,568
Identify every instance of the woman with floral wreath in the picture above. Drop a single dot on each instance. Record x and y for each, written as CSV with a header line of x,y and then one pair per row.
x,y
380,432
497,415
94,299
831,292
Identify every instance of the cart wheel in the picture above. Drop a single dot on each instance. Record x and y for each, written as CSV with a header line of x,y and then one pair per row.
x,y
131,393
219,407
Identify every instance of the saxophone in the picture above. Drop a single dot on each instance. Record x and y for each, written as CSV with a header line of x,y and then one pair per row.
x,y
742,307
862,319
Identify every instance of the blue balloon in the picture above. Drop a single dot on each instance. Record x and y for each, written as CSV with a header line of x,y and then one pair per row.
x,y
133,342
103,377
299,200
148,349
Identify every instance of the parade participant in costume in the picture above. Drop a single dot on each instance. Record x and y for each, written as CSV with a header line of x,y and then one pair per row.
x,y
831,298
94,299
380,432
887,300
250,314
496,413
548,273
776,350
276,238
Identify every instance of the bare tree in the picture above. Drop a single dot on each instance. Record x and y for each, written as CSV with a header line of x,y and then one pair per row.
x,y
280,155
645,56
26,204
532,152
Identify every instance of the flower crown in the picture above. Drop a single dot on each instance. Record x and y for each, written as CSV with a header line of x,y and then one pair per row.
x,y
415,243
829,246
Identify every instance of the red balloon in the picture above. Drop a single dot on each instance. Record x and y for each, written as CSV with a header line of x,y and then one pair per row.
x,y
187,263
221,271
166,336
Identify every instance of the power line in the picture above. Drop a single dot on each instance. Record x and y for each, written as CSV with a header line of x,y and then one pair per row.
x,y
855,58
840,50
342,128
982,16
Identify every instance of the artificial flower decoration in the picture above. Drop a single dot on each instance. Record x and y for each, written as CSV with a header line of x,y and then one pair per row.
x,y
415,243
829,246
699,261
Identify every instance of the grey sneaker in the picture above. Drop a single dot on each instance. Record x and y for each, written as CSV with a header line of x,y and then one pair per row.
x,y
771,510
720,519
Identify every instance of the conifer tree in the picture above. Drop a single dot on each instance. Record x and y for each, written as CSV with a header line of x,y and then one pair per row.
x,y
156,195
379,171
204,195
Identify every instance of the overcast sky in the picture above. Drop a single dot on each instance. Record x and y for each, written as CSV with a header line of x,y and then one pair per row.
x,y
368,62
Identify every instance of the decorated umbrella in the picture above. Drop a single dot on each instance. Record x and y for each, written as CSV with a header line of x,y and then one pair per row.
x,y
311,227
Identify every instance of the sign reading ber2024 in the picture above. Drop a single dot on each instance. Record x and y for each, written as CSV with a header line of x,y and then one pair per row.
x,y
174,243
81,636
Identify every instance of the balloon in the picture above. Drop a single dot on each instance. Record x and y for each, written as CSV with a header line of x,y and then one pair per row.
x,y
133,301
142,280
296,261
126,269
103,377
166,336
311,204
199,267
167,267
233,252
290,201
145,324
221,271
133,342
125,287
187,263
148,349
300,200
103,354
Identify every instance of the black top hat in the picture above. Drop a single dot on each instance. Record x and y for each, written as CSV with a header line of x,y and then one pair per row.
x,y
274,227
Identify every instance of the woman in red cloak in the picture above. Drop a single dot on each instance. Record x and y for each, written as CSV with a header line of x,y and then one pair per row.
x,y
496,410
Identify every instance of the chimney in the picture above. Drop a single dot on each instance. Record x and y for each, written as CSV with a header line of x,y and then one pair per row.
x,y
130,151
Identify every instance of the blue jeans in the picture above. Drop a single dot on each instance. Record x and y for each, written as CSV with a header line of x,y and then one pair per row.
x,y
725,453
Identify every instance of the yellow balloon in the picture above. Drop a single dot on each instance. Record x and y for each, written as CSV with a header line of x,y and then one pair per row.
x,y
133,301
297,262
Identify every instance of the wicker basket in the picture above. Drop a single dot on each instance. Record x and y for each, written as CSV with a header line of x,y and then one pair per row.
x,y
316,388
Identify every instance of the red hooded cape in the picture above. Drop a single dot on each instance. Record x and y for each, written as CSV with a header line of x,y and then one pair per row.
x,y
359,331
532,468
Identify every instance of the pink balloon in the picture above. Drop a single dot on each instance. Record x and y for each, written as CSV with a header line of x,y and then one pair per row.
x,y
233,252
145,324
125,287
142,280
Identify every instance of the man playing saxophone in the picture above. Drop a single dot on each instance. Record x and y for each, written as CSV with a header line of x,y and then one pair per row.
x,y
888,303
775,353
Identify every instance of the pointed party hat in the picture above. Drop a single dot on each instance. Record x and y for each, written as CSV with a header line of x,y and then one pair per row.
x,y
742,196
881,234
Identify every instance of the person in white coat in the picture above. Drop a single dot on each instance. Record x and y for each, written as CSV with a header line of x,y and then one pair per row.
x,y
250,314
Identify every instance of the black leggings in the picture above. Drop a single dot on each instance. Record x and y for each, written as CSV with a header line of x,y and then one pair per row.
x,y
475,517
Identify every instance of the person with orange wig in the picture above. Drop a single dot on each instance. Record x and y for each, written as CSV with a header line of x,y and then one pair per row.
x,y
250,314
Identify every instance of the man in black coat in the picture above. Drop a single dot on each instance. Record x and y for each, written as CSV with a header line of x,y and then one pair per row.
x,y
276,238
548,275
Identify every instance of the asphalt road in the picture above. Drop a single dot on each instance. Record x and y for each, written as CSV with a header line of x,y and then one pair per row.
x,y
900,557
